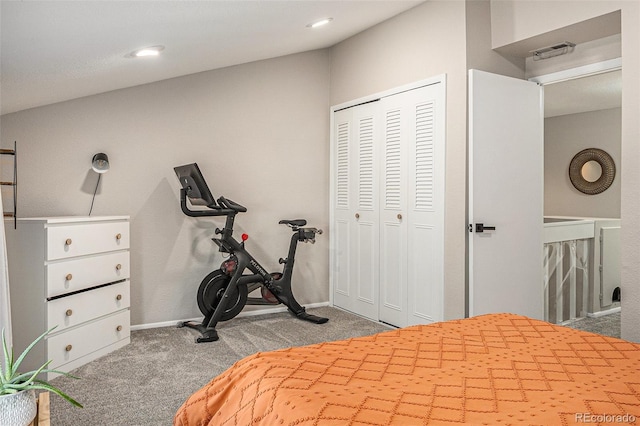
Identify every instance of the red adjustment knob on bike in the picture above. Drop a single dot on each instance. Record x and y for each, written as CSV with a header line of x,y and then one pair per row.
x,y
245,237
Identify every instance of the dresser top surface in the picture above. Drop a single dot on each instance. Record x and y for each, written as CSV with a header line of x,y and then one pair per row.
x,y
69,219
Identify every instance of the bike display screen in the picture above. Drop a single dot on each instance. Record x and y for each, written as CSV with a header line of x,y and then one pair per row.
x,y
192,180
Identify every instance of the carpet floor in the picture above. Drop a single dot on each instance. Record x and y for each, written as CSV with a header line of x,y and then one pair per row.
x,y
608,325
145,382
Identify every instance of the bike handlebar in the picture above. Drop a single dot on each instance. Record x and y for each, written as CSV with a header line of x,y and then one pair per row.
x,y
215,211
229,204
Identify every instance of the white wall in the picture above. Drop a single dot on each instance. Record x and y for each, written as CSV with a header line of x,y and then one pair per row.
x,y
564,137
513,21
260,135
479,50
516,20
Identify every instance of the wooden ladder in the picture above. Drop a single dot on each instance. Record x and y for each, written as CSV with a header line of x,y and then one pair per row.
x,y
13,183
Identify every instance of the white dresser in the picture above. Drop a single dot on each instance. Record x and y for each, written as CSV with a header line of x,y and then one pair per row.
x,y
72,273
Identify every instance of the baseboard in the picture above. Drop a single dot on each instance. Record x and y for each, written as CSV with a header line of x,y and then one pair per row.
x,y
603,313
248,313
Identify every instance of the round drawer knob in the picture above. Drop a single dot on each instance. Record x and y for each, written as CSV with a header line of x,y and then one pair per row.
x,y
68,348
69,277
118,267
357,215
399,216
69,312
68,242
118,237
119,297
119,328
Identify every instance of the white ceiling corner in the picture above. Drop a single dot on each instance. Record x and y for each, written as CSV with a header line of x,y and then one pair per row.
x,y
585,94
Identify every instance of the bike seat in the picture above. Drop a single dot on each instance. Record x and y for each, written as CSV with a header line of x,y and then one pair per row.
x,y
296,222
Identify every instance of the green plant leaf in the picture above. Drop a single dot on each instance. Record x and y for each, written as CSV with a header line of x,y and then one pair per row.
x,y
30,376
50,388
8,359
12,382
17,386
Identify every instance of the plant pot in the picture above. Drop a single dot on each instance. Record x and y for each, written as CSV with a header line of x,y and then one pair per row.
x,y
18,409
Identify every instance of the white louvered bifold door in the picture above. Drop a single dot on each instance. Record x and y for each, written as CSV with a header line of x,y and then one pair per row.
x,y
388,206
356,211
425,221
412,211
342,294
393,224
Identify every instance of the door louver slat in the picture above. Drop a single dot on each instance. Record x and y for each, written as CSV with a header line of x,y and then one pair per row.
x,y
365,185
393,166
424,156
342,180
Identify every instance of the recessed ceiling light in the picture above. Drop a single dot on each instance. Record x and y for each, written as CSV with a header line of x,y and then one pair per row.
x,y
145,51
319,23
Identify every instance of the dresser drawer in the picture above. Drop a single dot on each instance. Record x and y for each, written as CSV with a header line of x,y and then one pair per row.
x,y
88,238
75,343
78,308
73,275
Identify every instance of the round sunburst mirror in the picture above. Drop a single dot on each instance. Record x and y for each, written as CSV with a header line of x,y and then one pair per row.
x,y
592,171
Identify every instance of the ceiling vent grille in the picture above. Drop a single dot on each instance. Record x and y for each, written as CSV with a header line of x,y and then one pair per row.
x,y
551,51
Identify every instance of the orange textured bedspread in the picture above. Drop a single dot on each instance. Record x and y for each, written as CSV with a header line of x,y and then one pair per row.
x,y
488,370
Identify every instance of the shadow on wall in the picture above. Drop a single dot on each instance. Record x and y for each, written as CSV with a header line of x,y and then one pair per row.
x,y
168,263
89,183
171,254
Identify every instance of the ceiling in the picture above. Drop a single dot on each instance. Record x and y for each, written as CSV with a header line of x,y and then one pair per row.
x,y
52,51
591,93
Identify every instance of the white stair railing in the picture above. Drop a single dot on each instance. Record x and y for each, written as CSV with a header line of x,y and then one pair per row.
x,y
566,272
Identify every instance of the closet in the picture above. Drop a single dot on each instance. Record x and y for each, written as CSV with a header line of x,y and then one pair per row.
x,y
387,204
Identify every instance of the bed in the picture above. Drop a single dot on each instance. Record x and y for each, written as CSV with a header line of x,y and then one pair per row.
x,y
486,370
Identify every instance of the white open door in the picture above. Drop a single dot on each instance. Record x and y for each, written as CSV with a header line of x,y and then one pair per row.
x,y
506,180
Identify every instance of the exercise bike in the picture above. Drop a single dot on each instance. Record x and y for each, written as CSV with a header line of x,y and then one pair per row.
x,y
224,292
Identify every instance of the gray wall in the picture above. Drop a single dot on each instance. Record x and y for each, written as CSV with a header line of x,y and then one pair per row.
x,y
564,137
259,133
